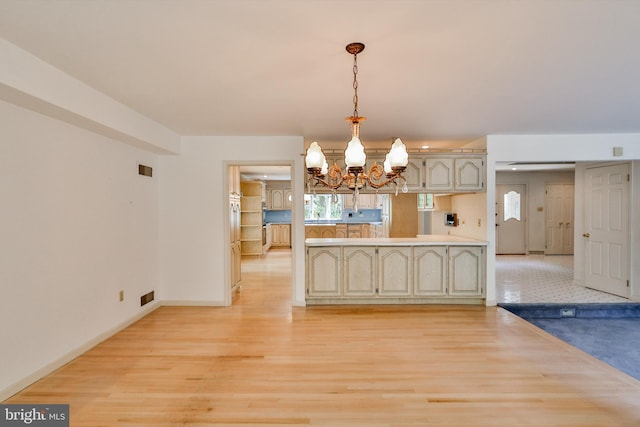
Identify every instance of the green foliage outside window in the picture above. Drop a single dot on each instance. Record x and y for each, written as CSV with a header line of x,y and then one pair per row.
x,y
320,207
425,201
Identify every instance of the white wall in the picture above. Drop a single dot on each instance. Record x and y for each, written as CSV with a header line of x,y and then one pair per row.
x,y
471,210
553,148
36,85
77,225
194,216
536,183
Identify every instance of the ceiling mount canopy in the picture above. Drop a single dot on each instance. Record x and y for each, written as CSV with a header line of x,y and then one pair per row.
x,y
319,172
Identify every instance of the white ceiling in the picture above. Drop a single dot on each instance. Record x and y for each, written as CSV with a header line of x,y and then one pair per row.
x,y
265,173
431,70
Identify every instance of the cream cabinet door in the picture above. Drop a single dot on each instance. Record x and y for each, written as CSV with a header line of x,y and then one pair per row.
x,y
439,174
311,232
414,174
394,271
285,234
324,272
359,271
469,173
277,199
287,198
430,270
328,232
465,271
281,235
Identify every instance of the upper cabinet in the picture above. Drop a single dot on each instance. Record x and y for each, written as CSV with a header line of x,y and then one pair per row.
x,y
428,172
470,173
454,174
279,199
234,181
439,174
414,174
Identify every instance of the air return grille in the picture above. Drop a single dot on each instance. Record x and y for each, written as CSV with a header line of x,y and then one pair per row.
x,y
146,298
145,170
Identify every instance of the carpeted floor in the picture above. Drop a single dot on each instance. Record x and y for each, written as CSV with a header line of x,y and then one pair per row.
x,y
610,332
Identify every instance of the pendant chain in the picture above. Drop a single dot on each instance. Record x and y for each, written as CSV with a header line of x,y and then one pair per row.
x,y
355,85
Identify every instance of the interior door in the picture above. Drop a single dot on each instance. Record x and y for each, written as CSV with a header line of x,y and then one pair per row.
x,y
511,218
559,211
606,238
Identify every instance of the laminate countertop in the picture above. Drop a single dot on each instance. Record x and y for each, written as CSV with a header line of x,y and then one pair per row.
x,y
422,240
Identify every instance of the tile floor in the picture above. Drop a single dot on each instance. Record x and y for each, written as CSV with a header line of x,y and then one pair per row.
x,y
542,279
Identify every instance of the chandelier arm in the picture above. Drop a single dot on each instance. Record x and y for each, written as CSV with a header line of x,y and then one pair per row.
x,y
392,177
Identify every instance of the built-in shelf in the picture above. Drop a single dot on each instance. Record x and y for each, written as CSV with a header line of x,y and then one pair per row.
x,y
251,218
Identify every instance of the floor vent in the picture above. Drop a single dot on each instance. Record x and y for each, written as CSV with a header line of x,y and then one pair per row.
x,y
146,298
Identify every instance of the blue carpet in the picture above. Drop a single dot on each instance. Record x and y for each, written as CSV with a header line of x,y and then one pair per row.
x,y
610,332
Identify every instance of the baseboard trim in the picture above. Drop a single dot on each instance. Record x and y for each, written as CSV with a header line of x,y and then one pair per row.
x,y
192,303
63,360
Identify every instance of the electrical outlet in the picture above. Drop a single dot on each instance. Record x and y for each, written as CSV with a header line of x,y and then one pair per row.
x,y
121,296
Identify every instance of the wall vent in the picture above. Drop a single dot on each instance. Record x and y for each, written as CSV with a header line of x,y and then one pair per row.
x,y
145,170
146,298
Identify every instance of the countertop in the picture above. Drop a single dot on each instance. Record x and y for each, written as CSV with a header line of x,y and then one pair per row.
x,y
308,224
422,240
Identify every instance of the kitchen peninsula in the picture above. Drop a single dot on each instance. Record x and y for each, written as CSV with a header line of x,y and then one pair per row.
x,y
429,269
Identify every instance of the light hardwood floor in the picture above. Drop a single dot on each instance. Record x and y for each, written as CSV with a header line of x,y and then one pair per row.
x,y
262,362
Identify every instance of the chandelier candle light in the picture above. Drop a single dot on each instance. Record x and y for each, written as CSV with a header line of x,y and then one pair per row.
x,y
355,158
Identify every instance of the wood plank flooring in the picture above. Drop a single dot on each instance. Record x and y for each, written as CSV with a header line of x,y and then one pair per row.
x,y
263,363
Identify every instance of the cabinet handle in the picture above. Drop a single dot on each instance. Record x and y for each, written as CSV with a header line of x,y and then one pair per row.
x,y
560,224
587,235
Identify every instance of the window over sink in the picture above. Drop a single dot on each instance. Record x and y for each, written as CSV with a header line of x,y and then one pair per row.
x,y
320,207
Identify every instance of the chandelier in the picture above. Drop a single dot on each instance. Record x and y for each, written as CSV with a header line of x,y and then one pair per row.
x,y
355,178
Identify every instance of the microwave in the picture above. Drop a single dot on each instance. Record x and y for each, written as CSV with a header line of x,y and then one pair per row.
x,y
451,219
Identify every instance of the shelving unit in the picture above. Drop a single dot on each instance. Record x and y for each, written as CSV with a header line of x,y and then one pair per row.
x,y
251,218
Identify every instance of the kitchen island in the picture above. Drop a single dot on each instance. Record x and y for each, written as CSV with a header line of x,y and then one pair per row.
x,y
430,269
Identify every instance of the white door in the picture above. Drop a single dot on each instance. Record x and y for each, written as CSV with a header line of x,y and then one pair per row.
x,y
559,203
607,229
511,218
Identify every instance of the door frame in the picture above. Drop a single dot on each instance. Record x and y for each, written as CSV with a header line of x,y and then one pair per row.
x,y
228,297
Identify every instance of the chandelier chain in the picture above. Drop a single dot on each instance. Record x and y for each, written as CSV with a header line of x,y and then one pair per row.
x,y
355,85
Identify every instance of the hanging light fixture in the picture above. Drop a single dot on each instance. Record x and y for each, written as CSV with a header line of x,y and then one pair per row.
x,y
355,178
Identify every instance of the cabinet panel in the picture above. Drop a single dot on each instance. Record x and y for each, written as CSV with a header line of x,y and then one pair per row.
x,y
287,198
394,271
430,271
277,199
341,231
280,235
328,232
359,271
414,175
439,174
469,174
324,271
465,271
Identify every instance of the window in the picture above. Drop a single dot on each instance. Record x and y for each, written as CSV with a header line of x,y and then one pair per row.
x,y
425,201
511,206
320,207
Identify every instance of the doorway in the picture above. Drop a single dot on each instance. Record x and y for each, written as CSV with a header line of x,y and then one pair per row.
x,y
249,223
511,212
